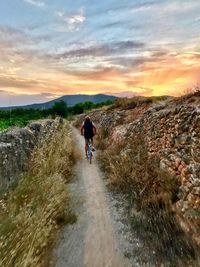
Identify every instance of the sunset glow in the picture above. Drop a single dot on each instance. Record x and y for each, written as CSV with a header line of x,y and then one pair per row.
x,y
53,48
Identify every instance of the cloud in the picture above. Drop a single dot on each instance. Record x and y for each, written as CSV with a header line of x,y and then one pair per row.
x,y
13,82
146,91
19,46
124,6
128,94
12,41
155,5
122,55
99,74
42,94
9,98
73,22
7,31
112,25
12,35
60,14
12,38
120,23
139,90
36,3
106,49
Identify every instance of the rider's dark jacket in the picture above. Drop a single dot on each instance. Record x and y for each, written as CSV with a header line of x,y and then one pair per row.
x,y
88,129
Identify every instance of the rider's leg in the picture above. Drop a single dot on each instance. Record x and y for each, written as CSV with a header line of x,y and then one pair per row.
x,y
86,146
92,142
86,149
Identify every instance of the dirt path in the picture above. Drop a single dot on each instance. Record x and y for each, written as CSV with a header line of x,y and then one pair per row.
x,y
91,242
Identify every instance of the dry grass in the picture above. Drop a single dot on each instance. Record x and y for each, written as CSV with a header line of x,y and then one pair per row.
x,y
55,155
189,96
130,103
131,168
190,91
31,213
150,191
101,139
77,122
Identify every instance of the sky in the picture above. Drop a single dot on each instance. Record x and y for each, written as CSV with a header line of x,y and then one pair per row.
x,y
51,48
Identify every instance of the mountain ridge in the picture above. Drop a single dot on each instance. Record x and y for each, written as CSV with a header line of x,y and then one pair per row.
x,y
70,100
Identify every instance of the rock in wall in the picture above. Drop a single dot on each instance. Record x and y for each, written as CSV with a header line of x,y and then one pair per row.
x,y
16,146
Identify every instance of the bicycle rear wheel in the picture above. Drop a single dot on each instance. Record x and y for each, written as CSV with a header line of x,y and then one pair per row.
x,y
90,157
90,152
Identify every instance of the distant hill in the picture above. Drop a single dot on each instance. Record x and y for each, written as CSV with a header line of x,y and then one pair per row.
x,y
70,100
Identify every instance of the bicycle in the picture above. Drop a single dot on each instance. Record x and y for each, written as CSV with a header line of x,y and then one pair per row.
x,y
89,151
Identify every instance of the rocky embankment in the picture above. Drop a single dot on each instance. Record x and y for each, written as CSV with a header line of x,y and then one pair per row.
x,y
171,130
16,146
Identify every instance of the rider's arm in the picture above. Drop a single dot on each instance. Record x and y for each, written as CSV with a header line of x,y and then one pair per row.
x,y
94,129
82,129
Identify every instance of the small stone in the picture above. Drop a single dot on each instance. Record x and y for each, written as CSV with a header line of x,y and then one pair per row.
x,y
196,191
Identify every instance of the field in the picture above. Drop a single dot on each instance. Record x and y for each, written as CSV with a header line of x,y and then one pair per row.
x,y
21,117
15,121
18,117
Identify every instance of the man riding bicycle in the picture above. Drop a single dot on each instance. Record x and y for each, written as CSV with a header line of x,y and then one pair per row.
x,y
88,129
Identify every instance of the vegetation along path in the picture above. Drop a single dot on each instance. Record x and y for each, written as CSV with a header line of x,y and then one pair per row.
x,y
90,242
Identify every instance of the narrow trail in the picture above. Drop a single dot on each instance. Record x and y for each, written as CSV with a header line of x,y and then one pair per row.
x,y
91,242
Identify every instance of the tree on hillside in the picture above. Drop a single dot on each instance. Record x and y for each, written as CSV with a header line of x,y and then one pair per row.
x,y
88,105
60,109
78,108
82,107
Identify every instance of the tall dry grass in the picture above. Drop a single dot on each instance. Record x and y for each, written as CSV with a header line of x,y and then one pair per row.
x,y
131,168
30,214
190,91
131,103
151,192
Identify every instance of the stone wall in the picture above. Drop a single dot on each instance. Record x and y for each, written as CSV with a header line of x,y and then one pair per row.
x,y
16,146
174,134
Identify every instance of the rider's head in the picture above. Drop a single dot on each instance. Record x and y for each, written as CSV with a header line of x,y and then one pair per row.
x,y
87,118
